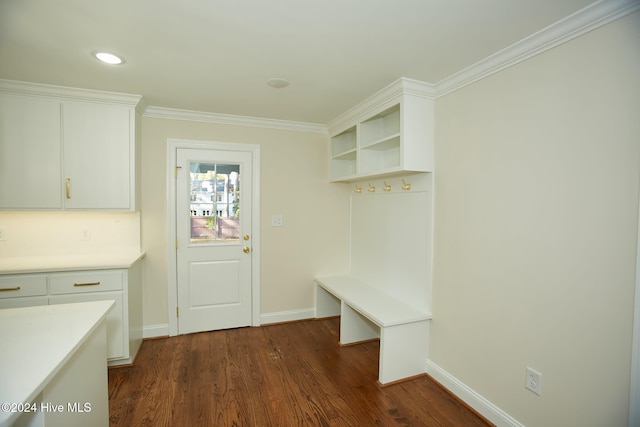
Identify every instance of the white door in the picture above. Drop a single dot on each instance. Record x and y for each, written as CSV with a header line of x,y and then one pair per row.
x,y
213,228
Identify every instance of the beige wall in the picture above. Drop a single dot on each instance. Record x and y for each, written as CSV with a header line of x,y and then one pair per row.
x,y
536,211
294,183
46,233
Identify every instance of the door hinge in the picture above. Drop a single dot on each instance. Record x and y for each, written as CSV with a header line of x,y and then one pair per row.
x,y
175,173
177,312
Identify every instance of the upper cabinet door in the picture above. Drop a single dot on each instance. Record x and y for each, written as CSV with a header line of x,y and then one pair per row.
x,y
30,162
98,153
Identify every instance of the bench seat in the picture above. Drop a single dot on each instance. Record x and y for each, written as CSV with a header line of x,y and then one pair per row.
x,y
367,313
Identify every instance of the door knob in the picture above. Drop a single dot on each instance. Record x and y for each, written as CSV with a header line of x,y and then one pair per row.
x,y
246,237
246,249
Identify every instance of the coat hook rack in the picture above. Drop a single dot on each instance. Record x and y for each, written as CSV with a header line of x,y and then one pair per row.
x,y
358,189
372,189
405,186
386,187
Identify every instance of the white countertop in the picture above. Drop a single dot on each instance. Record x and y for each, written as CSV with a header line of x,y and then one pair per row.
x,y
48,263
37,342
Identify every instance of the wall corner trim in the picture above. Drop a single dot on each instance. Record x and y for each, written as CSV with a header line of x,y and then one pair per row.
x,y
471,397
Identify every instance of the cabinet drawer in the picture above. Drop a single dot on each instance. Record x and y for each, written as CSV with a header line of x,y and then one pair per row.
x,y
90,281
23,302
22,286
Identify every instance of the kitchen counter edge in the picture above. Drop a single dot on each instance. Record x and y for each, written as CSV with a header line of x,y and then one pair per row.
x,y
56,263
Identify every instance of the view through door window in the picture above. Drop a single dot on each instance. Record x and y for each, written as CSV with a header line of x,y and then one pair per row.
x,y
214,202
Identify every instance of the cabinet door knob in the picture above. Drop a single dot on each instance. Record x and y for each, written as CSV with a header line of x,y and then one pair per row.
x,y
246,237
246,249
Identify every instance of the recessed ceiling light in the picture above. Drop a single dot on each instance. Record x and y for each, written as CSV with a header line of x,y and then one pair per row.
x,y
108,58
278,83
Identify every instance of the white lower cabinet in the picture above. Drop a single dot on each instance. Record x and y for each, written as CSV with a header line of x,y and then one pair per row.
x,y
23,291
23,302
124,286
118,346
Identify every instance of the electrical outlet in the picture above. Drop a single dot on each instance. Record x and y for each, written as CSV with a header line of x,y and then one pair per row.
x,y
85,234
3,236
533,381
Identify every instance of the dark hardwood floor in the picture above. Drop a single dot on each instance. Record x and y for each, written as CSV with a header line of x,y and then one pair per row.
x,y
292,374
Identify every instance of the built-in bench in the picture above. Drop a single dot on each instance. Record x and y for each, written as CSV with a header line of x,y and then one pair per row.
x,y
367,313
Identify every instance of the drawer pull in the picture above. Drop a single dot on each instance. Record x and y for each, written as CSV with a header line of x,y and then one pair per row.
x,y
17,288
86,284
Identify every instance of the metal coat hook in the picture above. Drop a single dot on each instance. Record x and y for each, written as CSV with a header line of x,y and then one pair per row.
x,y
386,187
358,189
372,189
405,186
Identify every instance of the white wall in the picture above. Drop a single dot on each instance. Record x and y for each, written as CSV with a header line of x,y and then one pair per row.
x,y
294,183
536,212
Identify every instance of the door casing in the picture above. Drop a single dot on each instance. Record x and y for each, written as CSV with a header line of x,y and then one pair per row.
x,y
172,146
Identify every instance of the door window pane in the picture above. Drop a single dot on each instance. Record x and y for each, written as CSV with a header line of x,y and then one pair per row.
x,y
215,202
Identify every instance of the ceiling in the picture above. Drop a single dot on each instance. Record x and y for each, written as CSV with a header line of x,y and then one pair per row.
x,y
217,55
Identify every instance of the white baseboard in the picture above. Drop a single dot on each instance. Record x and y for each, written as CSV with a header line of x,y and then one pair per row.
x,y
152,331
162,330
287,316
471,398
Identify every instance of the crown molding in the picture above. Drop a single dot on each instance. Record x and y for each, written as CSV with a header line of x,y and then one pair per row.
x,y
591,17
69,93
229,119
402,86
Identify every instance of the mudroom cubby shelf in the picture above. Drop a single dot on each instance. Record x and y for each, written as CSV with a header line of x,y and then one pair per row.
x,y
382,127
389,133
343,153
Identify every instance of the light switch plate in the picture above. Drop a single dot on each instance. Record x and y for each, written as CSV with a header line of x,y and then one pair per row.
x,y
277,220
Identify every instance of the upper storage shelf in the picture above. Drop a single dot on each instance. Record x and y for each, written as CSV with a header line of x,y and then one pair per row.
x,y
389,133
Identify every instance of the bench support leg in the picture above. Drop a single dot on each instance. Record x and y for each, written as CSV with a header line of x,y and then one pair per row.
x,y
327,305
354,327
403,351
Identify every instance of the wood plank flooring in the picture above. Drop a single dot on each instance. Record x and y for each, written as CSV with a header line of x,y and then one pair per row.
x,y
292,374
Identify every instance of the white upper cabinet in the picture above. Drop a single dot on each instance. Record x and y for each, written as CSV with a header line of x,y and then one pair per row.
x,y
64,148
98,156
390,133
30,148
